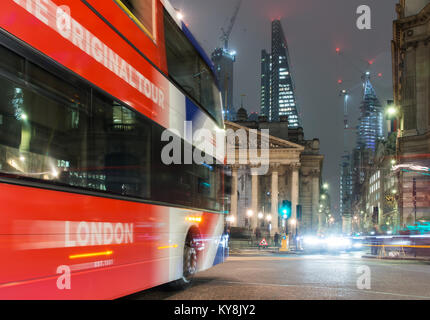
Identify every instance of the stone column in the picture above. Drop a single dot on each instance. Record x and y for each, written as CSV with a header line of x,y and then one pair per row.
x,y
254,198
317,222
233,202
294,193
274,193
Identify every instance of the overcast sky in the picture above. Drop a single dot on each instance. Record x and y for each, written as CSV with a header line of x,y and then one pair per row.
x,y
313,28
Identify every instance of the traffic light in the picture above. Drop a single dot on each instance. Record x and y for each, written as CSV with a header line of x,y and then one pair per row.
x,y
285,210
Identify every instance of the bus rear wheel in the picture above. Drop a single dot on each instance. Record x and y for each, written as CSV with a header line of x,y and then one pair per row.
x,y
189,269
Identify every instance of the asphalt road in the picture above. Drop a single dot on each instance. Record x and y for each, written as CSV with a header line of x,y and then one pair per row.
x,y
279,277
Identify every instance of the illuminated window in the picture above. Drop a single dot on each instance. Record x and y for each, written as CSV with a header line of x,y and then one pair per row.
x,y
142,13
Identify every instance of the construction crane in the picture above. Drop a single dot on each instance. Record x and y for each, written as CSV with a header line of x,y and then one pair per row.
x,y
226,33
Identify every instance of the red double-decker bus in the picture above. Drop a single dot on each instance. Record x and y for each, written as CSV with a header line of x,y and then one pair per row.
x,y
88,208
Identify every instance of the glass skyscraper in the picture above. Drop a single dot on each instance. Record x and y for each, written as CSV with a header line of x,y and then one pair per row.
x,y
277,86
370,124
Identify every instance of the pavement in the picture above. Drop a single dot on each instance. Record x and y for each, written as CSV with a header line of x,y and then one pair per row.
x,y
255,250
259,274
403,258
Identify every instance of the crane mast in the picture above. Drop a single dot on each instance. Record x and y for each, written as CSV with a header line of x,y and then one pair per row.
x,y
226,33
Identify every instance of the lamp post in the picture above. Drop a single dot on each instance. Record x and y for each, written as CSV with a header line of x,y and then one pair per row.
x,y
260,216
293,223
331,221
249,215
269,219
356,223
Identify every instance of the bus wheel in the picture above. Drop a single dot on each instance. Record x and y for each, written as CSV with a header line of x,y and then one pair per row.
x,y
190,261
189,265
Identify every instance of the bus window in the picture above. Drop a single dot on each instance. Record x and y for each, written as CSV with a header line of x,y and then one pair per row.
x,y
141,12
63,133
187,68
57,130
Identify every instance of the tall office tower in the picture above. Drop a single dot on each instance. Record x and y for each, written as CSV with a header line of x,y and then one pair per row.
x,y
223,60
370,124
346,192
265,82
282,96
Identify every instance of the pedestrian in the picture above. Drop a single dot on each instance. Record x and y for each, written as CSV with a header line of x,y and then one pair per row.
x,y
257,234
276,239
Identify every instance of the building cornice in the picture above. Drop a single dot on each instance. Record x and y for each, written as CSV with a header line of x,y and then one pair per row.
x,y
416,20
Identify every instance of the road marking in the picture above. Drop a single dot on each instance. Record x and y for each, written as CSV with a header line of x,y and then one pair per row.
x,y
261,258
318,287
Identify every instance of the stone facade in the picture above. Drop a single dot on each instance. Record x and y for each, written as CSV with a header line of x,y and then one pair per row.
x,y
296,171
377,204
411,81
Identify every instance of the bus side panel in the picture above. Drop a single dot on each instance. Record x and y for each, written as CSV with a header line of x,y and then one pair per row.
x,y
153,49
111,247
91,49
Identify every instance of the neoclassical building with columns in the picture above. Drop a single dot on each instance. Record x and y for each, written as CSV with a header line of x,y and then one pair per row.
x,y
293,174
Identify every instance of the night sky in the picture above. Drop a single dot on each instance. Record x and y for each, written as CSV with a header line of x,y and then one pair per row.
x,y
314,29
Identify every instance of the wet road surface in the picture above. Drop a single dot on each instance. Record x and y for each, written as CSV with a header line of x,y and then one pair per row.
x,y
279,277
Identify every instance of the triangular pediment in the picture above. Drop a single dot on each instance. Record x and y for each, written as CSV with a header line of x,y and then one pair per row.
x,y
274,142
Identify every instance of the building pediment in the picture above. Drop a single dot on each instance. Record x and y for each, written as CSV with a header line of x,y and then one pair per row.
x,y
274,142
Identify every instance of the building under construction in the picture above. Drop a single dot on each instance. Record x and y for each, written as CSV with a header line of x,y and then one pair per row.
x,y
353,166
224,59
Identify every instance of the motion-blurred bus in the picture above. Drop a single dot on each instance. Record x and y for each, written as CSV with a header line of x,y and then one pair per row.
x,y
88,208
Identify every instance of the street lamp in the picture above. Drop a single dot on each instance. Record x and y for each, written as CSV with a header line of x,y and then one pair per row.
x,y
391,111
249,214
325,186
323,196
293,223
260,215
269,217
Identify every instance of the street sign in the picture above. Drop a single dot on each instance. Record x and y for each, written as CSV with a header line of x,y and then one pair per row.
x,y
284,243
263,242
